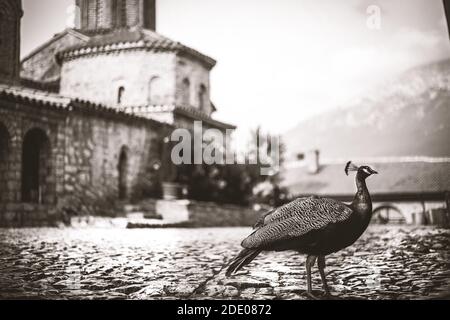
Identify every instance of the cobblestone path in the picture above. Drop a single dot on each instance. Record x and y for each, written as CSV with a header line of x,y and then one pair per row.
x,y
387,262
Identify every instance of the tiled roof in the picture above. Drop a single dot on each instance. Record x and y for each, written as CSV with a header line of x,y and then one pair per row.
x,y
56,37
41,66
33,96
128,39
198,115
49,99
426,175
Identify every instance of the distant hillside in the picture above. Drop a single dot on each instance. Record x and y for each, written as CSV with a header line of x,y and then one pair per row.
x,y
407,117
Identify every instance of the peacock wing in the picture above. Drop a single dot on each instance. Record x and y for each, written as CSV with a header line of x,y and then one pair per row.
x,y
260,222
277,213
296,219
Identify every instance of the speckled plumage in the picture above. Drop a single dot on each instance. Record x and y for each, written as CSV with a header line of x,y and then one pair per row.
x,y
314,226
296,219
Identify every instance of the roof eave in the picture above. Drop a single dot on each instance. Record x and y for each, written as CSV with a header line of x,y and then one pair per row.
x,y
138,45
204,117
61,103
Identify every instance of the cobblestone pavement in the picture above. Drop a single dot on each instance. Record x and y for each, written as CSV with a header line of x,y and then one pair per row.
x,y
387,262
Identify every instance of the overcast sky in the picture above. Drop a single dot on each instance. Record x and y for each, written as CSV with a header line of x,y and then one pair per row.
x,y
280,61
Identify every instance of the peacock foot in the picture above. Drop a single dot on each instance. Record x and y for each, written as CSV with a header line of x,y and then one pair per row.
x,y
328,296
314,295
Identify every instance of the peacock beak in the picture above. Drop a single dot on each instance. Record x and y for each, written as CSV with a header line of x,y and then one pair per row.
x,y
374,172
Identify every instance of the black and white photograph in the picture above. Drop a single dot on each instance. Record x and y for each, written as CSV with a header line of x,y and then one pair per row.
x,y
247,151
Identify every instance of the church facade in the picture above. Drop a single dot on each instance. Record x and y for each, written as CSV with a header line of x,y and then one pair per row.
x,y
84,117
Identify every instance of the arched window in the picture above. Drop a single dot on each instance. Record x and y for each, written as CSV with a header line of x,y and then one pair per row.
x,y
4,155
122,168
202,102
186,93
388,214
120,94
36,155
156,91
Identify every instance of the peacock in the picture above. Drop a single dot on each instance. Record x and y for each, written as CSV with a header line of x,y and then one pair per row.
x,y
314,226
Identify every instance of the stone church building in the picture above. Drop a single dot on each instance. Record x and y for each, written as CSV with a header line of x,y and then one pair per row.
x,y
83,118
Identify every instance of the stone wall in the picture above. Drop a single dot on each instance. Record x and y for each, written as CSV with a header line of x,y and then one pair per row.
x,y
147,78
20,122
204,214
198,76
132,70
94,146
79,170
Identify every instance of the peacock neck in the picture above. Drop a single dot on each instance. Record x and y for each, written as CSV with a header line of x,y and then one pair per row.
x,y
362,203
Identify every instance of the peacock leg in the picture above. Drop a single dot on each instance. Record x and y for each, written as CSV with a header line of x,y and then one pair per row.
x,y
321,265
310,260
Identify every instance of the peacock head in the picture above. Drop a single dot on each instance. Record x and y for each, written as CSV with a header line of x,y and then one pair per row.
x,y
362,171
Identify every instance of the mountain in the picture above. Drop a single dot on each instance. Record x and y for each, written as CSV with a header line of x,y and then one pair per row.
x,y
409,116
